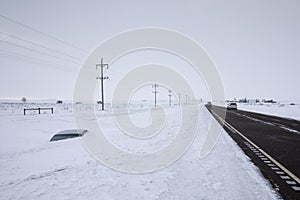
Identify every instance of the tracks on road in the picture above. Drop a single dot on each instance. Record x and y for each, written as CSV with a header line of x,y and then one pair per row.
x,y
272,143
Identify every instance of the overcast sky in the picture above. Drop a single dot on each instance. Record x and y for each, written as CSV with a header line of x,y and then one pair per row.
x,y
254,44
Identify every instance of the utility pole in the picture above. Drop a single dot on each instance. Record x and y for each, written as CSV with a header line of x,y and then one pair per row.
x,y
102,65
170,96
155,92
186,99
179,98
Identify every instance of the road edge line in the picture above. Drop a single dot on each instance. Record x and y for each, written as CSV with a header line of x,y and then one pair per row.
x,y
293,176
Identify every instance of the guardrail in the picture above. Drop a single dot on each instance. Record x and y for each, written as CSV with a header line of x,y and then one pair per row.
x,y
39,109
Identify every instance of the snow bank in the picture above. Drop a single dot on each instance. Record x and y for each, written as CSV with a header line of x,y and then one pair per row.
x,y
282,110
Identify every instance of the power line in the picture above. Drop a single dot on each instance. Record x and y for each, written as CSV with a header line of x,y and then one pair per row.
x,y
42,33
44,47
40,52
32,60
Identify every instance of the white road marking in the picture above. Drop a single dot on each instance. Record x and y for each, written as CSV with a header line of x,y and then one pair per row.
x,y
296,188
291,182
262,151
269,123
289,129
285,177
275,168
279,172
271,165
267,161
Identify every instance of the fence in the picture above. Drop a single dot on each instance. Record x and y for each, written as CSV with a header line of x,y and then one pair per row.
x,y
39,109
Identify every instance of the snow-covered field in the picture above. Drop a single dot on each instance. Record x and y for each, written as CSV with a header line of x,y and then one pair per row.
x,y
279,109
34,168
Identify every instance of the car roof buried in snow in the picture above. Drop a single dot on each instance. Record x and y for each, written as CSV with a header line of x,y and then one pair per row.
x,y
66,134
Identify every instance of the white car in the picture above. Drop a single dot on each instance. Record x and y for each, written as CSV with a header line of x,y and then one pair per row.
x,y
231,106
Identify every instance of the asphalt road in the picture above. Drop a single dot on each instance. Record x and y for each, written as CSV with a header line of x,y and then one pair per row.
x,y
278,137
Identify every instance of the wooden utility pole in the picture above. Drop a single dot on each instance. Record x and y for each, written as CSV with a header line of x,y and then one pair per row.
x,y
155,92
179,98
102,65
170,96
186,99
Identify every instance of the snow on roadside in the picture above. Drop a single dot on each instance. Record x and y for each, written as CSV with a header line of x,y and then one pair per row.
x,y
34,168
280,110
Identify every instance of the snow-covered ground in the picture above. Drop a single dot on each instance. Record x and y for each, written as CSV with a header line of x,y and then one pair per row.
x,y
283,109
34,168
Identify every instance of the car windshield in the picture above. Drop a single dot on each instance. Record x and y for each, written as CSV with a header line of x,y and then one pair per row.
x,y
66,134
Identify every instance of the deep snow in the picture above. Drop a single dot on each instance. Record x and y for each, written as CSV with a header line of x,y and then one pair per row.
x,y
34,168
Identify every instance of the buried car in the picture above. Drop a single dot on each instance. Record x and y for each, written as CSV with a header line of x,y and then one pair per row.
x,y
66,134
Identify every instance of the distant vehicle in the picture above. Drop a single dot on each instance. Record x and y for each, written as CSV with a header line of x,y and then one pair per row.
x,y
66,134
231,106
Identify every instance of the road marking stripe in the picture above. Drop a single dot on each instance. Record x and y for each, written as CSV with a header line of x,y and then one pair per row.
x,y
296,188
275,123
293,176
269,123
279,172
275,168
285,177
291,182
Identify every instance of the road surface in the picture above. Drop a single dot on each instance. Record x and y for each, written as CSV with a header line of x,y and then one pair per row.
x,y
273,144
